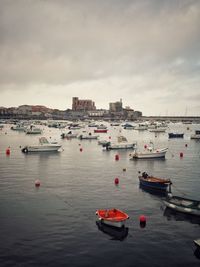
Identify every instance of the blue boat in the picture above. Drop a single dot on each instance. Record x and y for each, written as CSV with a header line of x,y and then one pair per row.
x,y
154,182
176,135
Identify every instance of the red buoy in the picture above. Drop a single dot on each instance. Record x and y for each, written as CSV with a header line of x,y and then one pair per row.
x,y
145,146
124,169
109,137
116,181
186,145
8,151
81,149
181,154
37,183
142,219
116,157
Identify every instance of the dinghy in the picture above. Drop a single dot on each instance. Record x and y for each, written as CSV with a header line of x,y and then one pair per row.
x,y
112,217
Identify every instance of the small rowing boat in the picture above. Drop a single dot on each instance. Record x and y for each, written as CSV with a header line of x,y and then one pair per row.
x,y
185,205
154,182
112,217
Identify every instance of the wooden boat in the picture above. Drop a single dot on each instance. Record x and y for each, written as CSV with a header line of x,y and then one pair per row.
x,y
176,135
197,243
112,217
186,205
154,182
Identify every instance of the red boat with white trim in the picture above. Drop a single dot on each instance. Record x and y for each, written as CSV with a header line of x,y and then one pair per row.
x,y
112,217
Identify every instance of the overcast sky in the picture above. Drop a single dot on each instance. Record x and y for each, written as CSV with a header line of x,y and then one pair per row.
x,y
146,52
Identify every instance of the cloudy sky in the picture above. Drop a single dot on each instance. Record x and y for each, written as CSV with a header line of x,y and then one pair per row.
x,y
146,52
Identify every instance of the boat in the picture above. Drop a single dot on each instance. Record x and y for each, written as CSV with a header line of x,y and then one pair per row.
x,y
196,135
33,130
176,135
154,182
19,128
87,136
43,146
141,127
185,205
69,135
157,129
121,143
149,153
100,130
112,217
197,243
128,126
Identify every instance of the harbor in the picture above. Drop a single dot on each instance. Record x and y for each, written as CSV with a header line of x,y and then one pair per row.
x,y
55,220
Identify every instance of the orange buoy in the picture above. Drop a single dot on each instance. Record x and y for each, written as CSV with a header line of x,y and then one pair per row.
x,y
37,183
181,154
116,157
8,151
116,181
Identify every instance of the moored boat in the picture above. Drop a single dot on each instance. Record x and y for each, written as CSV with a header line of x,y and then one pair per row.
x,y
100,131
185,205
154,182
43,146
176,135
112,217
149,153
121,143
87,136
196,135
33,130
69,135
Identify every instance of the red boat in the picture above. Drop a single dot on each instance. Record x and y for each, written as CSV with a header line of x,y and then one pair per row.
x,y
100,131
112,217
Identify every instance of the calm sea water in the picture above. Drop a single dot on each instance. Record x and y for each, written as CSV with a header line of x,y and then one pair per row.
x,y
56,225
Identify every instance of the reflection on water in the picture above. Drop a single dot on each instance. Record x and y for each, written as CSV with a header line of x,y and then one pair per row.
x,y
155,192
197,253
115,233
178,216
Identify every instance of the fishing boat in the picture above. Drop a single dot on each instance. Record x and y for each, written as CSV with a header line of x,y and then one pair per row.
x,y
69,135
121,143
197,243
176,135
196,135
43,146
154,182
149,153
112,217
185,205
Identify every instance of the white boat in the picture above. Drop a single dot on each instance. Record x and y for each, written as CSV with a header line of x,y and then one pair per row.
x,y
19,128
43,146
121,143
149,153
196,135
69,135
157,129
33,130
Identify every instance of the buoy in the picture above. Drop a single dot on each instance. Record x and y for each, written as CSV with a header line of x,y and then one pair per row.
x,y
109,137
116,181
37,183
8,151
145,146
124,169
142,220
116,157
81,149
181,154
186,145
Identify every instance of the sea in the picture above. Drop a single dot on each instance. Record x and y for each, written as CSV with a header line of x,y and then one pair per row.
x,y
56,224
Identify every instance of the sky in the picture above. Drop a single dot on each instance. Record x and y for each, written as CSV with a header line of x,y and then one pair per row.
x,y
145,52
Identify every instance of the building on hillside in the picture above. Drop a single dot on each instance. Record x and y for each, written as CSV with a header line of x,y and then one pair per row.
x,y
116,106
82,104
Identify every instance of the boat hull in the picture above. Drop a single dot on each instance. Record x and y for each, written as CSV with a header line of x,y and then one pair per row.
x,y
175,135
154,185
41,148
174,203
